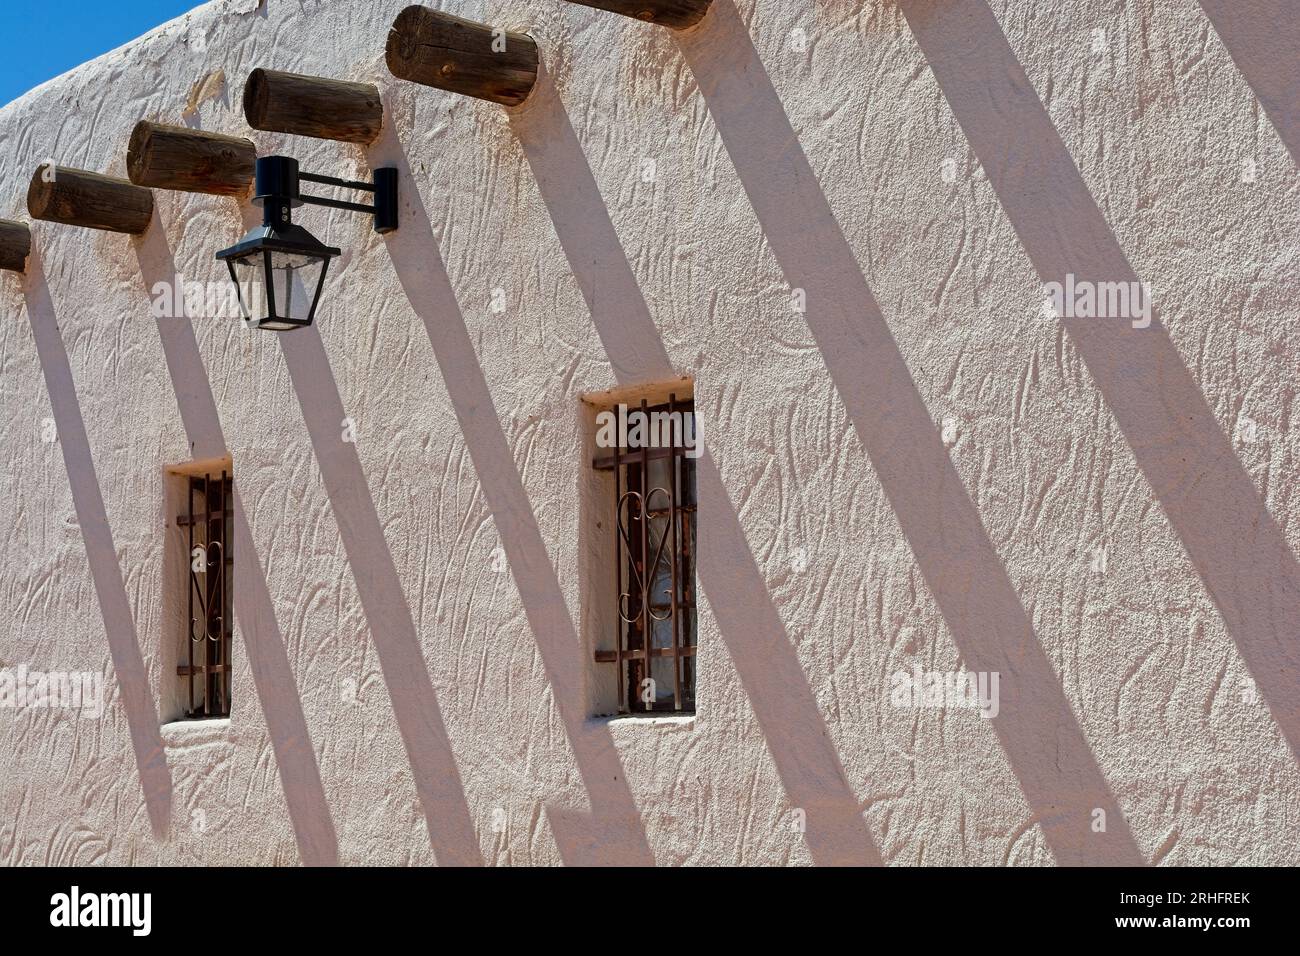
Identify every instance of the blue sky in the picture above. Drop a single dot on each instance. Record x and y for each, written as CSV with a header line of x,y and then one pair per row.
x,y
42,40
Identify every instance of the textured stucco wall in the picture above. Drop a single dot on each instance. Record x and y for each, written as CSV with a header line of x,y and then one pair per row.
x,y
918,471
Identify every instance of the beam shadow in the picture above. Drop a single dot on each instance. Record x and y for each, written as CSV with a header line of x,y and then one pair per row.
x,y
268,661
611,833
1237,548
401,659
101,555
1263,38
774,681
1044,744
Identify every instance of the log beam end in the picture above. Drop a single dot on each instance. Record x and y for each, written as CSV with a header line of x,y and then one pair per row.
x,y
313,106
15,245
460,56
77,197
191,160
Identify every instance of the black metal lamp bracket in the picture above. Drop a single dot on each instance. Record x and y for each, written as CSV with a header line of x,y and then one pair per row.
x,y
384,187
278,178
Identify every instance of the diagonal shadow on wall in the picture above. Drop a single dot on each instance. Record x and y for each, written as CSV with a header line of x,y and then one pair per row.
x,y
1237,548
611,833
1043,741
760,649
401,659
101,555
268,662
1263,37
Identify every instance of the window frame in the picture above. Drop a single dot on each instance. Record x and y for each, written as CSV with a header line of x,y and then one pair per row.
x,y
212,592
635,537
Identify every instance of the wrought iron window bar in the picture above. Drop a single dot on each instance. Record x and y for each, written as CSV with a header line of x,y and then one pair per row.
x,y
210,564
650,551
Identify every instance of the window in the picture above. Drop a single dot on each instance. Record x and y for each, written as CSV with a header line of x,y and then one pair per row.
x,y
204,666
651,452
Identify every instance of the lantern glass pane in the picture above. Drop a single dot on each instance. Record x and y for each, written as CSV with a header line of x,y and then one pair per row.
x,y
250,284
294,279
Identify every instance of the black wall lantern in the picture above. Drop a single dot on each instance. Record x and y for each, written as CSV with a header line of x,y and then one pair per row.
x,y
279,268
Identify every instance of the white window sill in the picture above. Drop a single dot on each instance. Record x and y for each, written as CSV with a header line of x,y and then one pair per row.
x,y
195,733
617,721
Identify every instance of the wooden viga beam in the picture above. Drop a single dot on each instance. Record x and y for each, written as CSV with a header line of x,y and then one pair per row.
x,y
313,106
174,157
678,14
15,245
461,56
80,198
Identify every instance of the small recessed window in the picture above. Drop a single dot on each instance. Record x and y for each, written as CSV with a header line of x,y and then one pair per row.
x,y
204,500
651,452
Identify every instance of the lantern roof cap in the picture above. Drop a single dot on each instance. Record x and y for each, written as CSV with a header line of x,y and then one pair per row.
x,y
288,237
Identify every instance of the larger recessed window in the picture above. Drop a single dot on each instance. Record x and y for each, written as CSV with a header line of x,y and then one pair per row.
x,y
651,451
